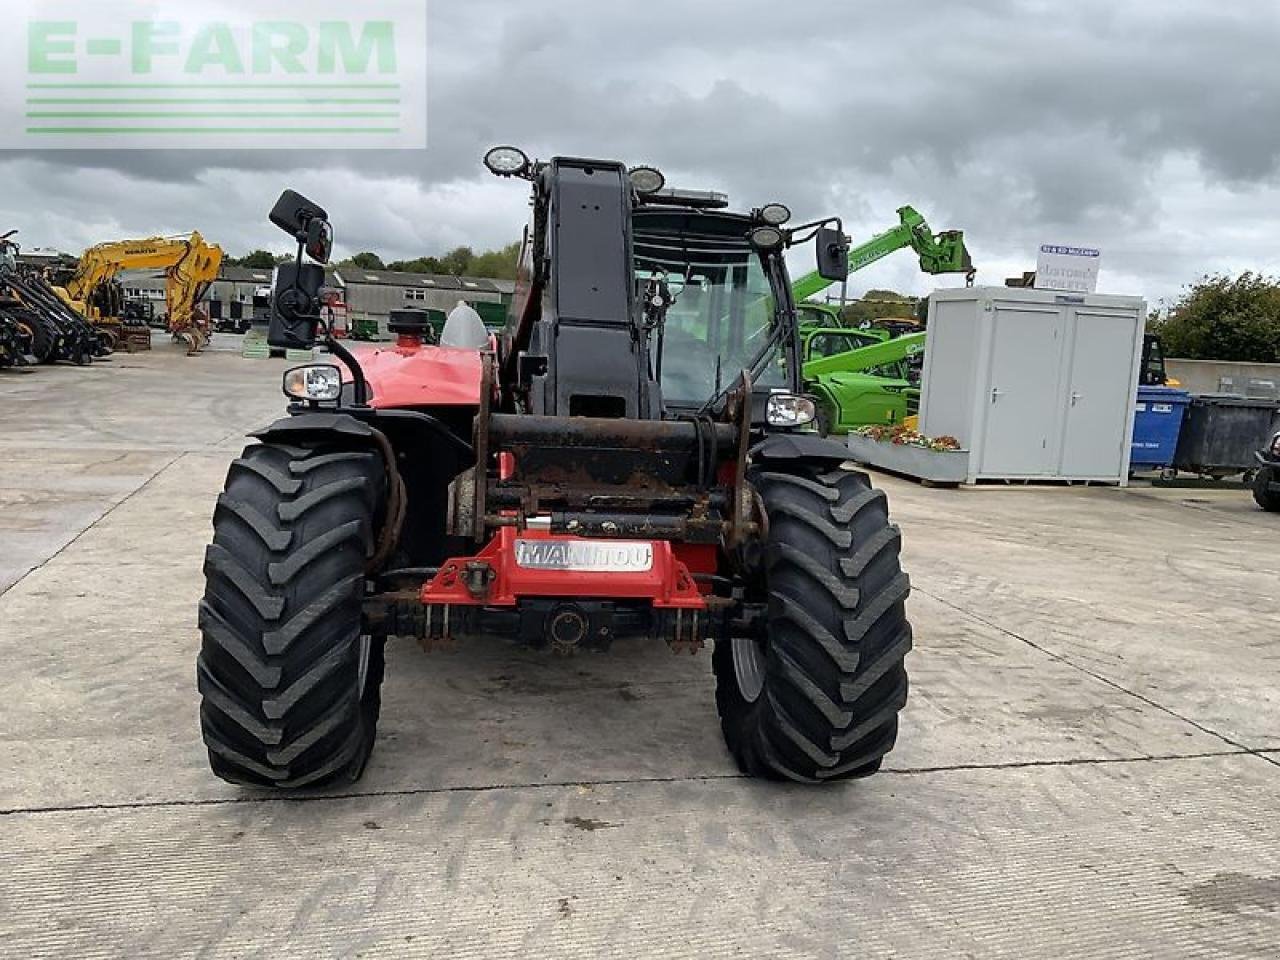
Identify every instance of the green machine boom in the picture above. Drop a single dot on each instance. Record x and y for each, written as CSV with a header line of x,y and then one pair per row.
x,y
944,252
939,253
873,384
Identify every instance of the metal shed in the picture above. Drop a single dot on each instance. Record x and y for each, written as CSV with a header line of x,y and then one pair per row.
x,y
375,293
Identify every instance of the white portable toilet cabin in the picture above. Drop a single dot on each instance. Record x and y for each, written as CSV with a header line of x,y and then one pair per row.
x,y
1036,385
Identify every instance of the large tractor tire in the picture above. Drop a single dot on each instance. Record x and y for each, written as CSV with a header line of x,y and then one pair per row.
x,y
41,334
1262,493
290,687
815,695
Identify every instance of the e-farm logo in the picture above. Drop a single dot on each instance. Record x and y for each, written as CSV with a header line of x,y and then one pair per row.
x,y
225,74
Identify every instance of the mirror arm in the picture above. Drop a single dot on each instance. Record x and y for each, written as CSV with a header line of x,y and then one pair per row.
x,y
291,219
813,227
360,386
297,277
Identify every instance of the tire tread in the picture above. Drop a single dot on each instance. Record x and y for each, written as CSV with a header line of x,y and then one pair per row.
x,y
835,680
280,619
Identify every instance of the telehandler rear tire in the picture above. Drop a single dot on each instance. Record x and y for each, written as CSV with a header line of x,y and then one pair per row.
x,y
1262,494
815,696
290,688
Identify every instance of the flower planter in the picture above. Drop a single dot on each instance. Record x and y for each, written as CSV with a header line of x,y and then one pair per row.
x,y
936,466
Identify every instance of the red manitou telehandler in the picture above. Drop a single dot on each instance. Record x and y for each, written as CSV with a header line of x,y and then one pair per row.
x,y
633,457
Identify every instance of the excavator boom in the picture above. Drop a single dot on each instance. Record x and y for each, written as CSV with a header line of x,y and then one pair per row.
x,y
190,265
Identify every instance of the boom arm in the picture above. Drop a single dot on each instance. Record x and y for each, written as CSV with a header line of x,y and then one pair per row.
x,y
941,253
864,358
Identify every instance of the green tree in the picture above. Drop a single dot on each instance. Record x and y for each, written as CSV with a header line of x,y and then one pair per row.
x,y
921,312
1220,318
364,261
457,262
420,265
877,305
257,260
497,264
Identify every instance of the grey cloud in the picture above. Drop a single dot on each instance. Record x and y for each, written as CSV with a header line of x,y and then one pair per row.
x,y
1018,120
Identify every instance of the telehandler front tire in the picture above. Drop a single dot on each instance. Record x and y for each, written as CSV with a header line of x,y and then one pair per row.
x,y
815,695
290,688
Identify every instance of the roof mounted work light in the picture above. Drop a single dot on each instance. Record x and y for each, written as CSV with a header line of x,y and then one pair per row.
x,y
647,180
507,162
775,214
767,238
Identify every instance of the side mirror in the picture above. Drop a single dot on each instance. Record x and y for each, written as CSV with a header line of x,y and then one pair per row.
x,y
833,254
319,239
295,306
293,213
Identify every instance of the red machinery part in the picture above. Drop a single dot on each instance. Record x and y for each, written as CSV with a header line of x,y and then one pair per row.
x,y
408,375
494,578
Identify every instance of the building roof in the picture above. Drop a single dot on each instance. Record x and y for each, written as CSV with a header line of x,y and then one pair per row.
x,y
353,276
225,275
43,255
259,275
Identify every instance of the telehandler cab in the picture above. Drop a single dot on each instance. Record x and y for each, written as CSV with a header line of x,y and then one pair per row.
x,y
631,458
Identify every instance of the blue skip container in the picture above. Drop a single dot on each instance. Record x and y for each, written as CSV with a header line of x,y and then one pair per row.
x,y
1157,422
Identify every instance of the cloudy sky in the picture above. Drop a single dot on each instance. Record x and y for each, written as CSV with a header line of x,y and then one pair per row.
x,y
1148,128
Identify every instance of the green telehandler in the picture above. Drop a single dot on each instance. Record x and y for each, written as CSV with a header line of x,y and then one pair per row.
x,y
874,384
861,377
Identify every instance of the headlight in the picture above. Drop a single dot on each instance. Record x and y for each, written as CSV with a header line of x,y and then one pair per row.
x,y
775,214
317,381
506,161
766,238
647,180
788,410
1275,445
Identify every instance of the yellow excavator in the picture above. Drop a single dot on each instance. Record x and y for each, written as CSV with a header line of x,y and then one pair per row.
x,y
190,265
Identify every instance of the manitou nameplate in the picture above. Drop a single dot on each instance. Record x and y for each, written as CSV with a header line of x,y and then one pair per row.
x,y
587,556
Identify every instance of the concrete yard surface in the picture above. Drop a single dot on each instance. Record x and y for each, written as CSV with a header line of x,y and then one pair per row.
x,y
1088,767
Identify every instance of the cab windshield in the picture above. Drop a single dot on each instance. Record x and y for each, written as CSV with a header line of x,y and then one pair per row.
x,y
722,316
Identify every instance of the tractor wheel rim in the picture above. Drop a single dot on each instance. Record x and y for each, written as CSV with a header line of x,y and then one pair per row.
x,y
748,667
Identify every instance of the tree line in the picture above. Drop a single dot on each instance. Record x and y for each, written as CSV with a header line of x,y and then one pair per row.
x,y
1223,318
458,262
